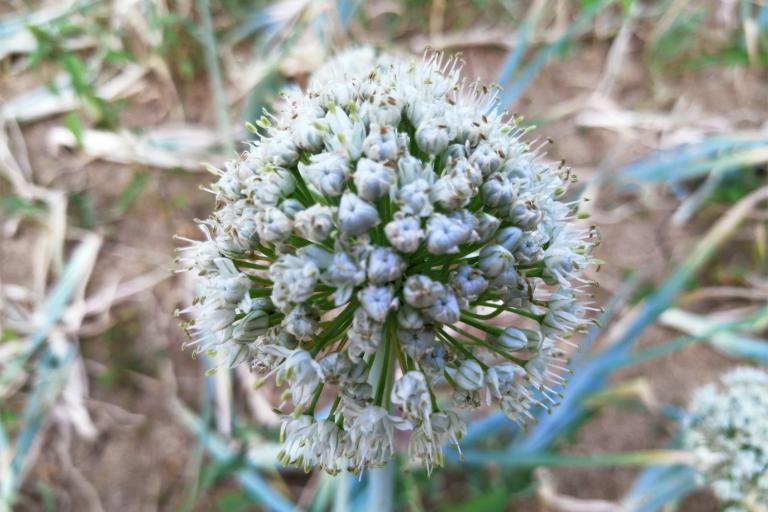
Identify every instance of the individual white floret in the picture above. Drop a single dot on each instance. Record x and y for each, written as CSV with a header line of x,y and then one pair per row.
x,y
445,309
315,223
327,173
273,225
301,322
415,198
411,394
385,265
445,234
468,282
356,216
364,336
421,292
373,180
468,376
303,375
378,301
433,136
371,433
381,143
405,234
343,273
294,280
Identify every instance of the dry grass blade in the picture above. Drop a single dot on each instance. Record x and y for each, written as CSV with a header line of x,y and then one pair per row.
x,y
258,404
218,448
42,102
15,36
637,389
758,293
165,147
617,55
53,367
214,75
666,21
735,342
52,245
591,375
546,489
604,113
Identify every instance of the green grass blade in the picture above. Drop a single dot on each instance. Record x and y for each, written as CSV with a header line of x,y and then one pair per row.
x,y
482,428
50,375
724,337
346,10
253,484
325,492
382,488
208,39
691,160
658,486
513,92
76,270
261,19
638,458
515,57
762,18
720,334
52,368
591,376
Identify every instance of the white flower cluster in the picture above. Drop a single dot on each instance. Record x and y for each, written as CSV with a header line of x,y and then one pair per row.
x,y
389,237
727,429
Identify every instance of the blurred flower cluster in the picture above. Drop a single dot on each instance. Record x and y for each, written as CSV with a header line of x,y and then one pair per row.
x,y
391,246
727,429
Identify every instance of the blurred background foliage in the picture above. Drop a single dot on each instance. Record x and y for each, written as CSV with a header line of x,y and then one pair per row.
x,y
110,106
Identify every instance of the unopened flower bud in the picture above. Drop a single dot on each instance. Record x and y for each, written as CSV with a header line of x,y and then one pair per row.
x,y
315,223
356,216
421,291
494,260
405,234
433,137
381,143
373,179
469,376
384,266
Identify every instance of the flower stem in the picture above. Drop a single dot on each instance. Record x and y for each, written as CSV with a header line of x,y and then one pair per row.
x,y
399,355
341,322
260,292
315,399
248,264
432,397
303,193
269,253
385,366
469,319
489,346
334,407
510,309
456,344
